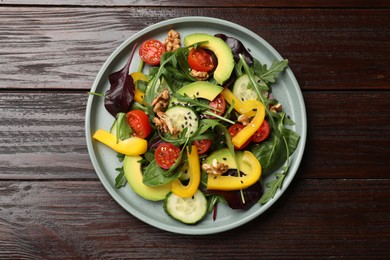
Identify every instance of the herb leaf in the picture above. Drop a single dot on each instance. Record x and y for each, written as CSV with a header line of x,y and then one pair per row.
x,y
273,187
154,175
121,93
120,179
269,75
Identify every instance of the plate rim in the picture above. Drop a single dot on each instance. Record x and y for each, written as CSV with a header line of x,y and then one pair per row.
x,y
187,230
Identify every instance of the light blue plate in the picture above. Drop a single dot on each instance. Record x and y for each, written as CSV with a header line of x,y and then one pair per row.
x,y
104,160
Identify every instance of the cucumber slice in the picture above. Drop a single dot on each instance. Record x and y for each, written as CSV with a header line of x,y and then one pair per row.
x,y
183,117
186,210
244,90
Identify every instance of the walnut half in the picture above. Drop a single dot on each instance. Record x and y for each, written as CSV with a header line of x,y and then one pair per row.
x,y
215,168
164,123
161,102
199,75
172,42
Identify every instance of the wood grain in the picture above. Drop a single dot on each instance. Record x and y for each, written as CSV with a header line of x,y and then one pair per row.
x,y
42,135
62,48
52,204
205,3
344,218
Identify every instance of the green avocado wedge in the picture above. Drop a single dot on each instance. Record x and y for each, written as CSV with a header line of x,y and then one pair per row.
x,y
133,173
221,50
201,89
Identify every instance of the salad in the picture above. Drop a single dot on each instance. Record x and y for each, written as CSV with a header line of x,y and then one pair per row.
x,y
197,125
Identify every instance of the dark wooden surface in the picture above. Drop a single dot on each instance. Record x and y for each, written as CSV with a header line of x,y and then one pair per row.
x,y
52,204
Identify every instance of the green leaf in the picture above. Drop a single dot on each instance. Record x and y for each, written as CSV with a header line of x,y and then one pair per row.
x,y
274,151
273,187
269,75
120,179
154,175
123,130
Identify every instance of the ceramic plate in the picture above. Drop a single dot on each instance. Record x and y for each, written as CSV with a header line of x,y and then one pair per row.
x,y
104,160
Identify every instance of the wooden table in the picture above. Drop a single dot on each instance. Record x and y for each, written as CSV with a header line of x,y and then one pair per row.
x,y
52,204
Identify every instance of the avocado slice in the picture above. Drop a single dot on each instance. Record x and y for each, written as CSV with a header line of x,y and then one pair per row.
x,y
249,166
221,50
132,169
198,89
201,89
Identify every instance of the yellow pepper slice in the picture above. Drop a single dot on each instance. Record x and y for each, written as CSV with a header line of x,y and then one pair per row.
x,y
254,125
138,94
194,169
130,146
249,108
233,100
249,165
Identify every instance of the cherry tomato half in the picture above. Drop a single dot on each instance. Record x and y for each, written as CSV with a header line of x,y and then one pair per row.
x,y
219,104
200,60
262,133
233,131
202,145
139,122
151,51
166,155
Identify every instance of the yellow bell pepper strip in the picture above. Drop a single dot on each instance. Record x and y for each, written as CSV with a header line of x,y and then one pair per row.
x,y
254,125
248,164
129,146
233,100
249,108
194,169
237,104
138,94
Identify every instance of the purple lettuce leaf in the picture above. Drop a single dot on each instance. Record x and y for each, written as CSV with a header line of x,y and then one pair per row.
x,y
234,200
237,48
121,93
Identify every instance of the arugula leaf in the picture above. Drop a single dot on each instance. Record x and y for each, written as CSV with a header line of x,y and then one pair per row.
x,y
206,124
269,75
273,187
120,179
194,102
200,106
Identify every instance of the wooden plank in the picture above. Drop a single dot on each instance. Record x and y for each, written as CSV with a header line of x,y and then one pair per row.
x,y
57,48
341,124
315,218
42,135
204,3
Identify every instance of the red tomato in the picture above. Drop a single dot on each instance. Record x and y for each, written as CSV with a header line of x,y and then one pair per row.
x,y
200,60
139,122
166,155
262,133
203,145
151,51
233,131
219,104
